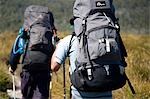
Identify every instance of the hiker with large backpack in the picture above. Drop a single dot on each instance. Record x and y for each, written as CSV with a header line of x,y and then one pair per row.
x,y
34,44
96,51
59,57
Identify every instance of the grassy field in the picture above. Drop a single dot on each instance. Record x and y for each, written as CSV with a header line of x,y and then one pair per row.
x,y
138,69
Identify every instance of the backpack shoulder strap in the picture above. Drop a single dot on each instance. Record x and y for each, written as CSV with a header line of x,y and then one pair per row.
x,y
70,44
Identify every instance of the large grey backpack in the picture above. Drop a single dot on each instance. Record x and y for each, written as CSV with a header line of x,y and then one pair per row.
x,y
38,22
100,49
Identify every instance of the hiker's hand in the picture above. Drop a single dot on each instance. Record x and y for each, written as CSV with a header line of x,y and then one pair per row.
x,y
122,69
11,70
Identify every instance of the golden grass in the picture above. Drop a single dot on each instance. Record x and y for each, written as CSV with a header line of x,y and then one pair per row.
x,y
138,69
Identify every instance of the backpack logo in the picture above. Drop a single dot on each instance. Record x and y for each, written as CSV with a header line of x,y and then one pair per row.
x,y
100,3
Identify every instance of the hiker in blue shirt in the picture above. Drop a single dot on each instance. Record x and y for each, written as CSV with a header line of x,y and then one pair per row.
x,y
59,57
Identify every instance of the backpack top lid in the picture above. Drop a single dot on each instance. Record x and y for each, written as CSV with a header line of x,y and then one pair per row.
x,y
37,8
82,8
92,12
36,14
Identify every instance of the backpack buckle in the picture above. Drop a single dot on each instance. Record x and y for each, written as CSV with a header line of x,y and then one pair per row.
x,y
84,21
107,45
89,72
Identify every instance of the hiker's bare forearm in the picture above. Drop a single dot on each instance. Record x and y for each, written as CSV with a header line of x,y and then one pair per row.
x,y
54,64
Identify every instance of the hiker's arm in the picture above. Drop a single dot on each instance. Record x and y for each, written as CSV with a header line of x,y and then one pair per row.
x,y
54,64
59,55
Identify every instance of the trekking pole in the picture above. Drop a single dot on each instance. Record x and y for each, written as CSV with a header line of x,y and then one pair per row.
x,y
64,84
51,85
14,90
130,85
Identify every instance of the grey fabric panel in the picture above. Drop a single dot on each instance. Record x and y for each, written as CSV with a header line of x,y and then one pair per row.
x,y
95,20
38,36
97,49
35,14
82,8
78,26
37,8
39,21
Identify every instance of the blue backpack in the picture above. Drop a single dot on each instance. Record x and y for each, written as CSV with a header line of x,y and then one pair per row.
x,y
18,48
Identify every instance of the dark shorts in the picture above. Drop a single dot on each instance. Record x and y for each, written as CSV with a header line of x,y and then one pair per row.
x,y
35,85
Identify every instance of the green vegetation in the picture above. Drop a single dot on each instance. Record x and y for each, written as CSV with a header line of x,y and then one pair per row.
x,y
133,14
5,79
12,12
138,71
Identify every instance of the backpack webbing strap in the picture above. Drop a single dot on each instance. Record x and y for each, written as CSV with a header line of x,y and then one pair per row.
x,y
84,44
84,37
26,47
89,69
70,44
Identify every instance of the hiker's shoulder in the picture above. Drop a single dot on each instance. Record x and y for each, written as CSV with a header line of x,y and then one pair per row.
x,y
68,38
